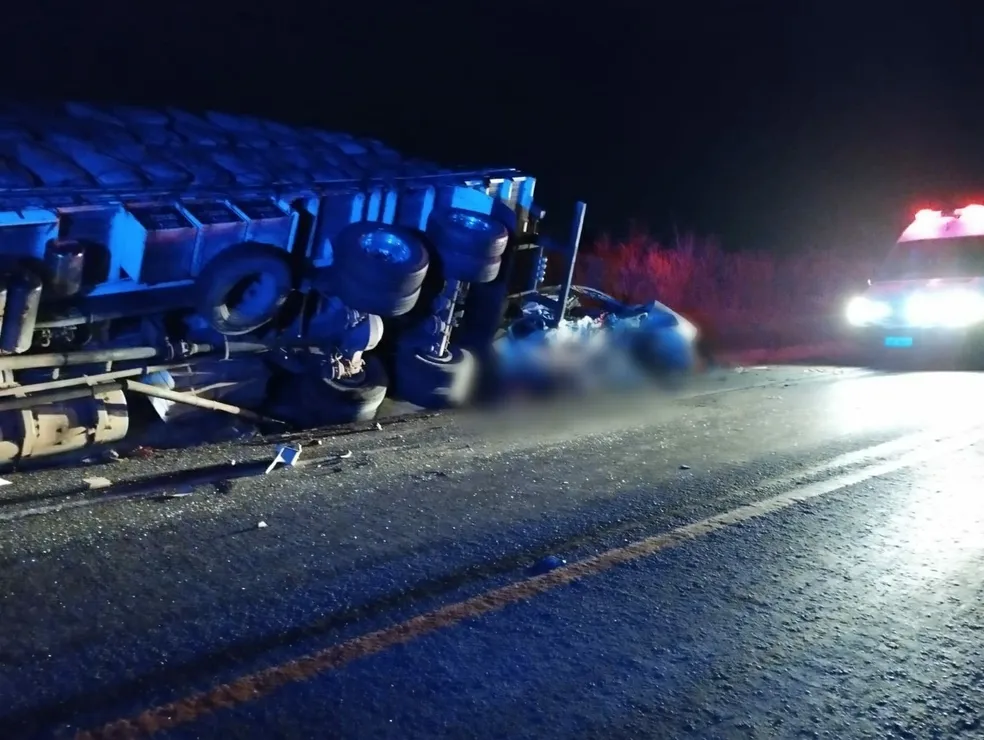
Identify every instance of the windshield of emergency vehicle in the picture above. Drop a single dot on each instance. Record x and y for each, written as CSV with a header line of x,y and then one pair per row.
x,y
935,258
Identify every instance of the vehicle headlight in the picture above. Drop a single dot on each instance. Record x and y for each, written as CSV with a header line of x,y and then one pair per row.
x,y
862,310
951,308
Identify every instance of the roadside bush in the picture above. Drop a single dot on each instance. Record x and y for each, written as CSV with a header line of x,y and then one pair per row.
x,y
727,293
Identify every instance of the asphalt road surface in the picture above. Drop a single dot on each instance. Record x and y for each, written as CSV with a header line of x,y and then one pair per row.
x,y
790,552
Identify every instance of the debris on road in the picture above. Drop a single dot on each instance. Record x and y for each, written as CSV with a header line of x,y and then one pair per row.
x,y
4,482
286,455
547,564
345,455
97,482
261,525
182,491
684,467
103,457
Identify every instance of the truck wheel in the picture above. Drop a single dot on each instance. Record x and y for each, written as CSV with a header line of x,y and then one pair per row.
x,y
435,383
243,287
470,269
313,400
470,244
377,269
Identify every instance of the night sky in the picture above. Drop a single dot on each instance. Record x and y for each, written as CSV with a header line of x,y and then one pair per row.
x,y
774,125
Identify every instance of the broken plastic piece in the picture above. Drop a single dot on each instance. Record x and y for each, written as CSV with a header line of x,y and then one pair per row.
x,y
286,455
547,564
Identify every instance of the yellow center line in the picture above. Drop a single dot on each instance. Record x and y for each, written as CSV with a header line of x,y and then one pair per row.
x,y
262,683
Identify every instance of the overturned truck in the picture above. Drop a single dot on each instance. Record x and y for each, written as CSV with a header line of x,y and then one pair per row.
x,y
137,245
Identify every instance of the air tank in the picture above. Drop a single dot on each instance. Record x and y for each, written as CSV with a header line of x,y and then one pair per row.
x,y
64,262
20,314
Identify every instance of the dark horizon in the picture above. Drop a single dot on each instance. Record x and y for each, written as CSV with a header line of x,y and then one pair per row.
x,y
768,126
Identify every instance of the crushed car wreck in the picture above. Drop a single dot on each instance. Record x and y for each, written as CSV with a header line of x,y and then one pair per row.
x,y
599,341
244,266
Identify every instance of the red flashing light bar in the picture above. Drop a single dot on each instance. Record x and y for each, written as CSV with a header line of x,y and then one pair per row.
x,y
971,209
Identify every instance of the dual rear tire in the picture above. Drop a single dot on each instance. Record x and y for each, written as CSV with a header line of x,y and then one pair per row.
x,y
377,269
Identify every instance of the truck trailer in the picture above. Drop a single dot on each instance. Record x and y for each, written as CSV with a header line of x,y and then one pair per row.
x,y
138,242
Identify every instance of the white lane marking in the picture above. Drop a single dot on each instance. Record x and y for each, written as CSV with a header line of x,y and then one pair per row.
x,y
881,451
938,448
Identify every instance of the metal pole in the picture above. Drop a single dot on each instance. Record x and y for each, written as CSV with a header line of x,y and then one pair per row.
x,y
92,357
66,359
451,292
57,396
190,399
565,288
88,380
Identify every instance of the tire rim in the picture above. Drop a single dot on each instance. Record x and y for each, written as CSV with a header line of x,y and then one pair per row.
x,y
251,296
472,223
386,245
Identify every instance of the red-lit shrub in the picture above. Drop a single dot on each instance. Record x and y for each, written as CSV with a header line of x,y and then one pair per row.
x,y
739,298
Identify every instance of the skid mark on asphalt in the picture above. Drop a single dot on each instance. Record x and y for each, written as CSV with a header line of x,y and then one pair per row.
x,y
258,685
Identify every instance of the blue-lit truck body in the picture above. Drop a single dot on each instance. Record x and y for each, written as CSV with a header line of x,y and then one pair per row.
x,y
134,241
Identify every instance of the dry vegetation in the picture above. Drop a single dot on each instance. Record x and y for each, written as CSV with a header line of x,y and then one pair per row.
x,y
738,298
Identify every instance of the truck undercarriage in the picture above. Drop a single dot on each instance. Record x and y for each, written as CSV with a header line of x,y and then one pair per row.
x,y
183,259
